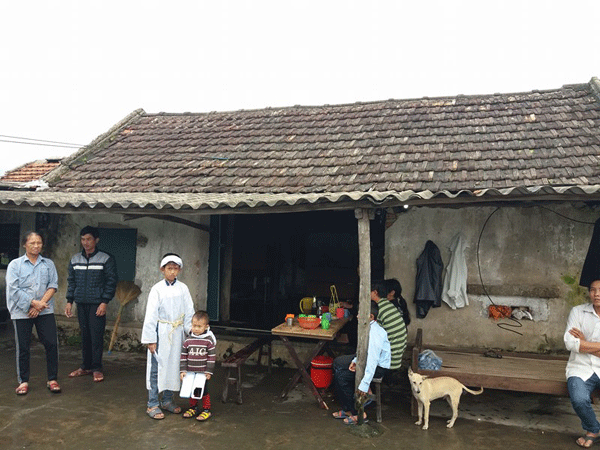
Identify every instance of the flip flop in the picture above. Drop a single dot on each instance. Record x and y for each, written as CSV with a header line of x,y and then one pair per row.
x,y
79,373
53,386
171,407
22,389
351,421
586,439
155,413
98,377
339,414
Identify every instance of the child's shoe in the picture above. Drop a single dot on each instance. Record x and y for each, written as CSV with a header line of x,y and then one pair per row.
x,y
204,415
191,413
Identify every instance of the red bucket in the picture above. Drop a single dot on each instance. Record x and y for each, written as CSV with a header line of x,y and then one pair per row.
x,y
321,371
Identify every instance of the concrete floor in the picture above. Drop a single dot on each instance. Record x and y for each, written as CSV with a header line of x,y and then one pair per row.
x,y
111,415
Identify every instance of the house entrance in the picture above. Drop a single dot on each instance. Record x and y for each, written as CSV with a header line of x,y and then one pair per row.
x,y
280,258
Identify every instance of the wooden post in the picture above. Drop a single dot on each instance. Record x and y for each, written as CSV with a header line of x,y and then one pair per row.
x,y
364,296
225,300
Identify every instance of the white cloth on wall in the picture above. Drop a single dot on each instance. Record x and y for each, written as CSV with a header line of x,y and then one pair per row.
x,y
454,292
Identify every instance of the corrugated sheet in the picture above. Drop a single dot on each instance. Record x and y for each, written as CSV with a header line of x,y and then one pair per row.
x,y
208,203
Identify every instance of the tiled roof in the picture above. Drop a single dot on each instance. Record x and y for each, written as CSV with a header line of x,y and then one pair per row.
x,y
539,138
30,171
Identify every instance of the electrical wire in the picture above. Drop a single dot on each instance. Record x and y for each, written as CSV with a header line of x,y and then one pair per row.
x,y
40,142
517,324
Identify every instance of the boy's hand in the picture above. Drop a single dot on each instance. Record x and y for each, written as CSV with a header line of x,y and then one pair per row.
x,y
152,347
208,375
352,367
182,375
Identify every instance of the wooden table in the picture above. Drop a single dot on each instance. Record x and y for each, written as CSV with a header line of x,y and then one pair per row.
x,y
284,332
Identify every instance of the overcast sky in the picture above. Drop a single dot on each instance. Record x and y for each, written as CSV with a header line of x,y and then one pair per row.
x,y
72,69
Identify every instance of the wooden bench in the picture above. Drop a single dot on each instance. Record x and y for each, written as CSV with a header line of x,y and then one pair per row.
x,y
515,371
237,360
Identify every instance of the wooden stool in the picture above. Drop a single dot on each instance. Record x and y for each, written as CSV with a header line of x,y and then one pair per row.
x,y
377,382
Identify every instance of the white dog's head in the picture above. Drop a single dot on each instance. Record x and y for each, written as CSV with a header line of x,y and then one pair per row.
x,y
416,381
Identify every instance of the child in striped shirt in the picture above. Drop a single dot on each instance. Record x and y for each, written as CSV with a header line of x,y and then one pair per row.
x,y
199,355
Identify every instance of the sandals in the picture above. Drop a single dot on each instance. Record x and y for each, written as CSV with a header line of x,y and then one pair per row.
x,y
22,389
155,413
204,415
98,377
171,407
353,420
190,413
588,441
53,386
79,373
340,414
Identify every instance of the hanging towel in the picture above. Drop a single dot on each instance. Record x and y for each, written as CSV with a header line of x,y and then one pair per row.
x,y
455,281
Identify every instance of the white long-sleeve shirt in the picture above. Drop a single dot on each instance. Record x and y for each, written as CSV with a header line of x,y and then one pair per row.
x,y
582,365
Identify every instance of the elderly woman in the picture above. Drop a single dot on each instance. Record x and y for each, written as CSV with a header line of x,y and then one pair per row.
x,y
31,281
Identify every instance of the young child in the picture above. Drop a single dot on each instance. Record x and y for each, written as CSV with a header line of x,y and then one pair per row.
x,y
168,316
199,355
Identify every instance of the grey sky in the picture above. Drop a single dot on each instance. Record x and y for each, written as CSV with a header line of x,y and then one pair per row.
x,y
71,70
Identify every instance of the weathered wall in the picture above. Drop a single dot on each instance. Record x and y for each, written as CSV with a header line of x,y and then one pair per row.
x,y
525,255
154,238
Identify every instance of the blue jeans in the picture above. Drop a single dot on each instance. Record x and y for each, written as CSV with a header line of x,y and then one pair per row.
x,y
580,392
153,400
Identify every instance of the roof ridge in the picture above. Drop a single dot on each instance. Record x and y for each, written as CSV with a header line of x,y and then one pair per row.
x,y
370,102
595,86
97,144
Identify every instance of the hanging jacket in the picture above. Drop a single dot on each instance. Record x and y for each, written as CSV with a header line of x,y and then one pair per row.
x,y
428,286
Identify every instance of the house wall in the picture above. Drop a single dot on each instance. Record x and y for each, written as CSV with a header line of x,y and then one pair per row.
x,y
154,238
527,256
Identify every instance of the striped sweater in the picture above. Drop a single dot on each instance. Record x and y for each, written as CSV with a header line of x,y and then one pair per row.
x,y
199,353
391,320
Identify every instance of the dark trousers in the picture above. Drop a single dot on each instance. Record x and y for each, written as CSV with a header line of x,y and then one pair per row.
x,y
344,381
92,336
45,326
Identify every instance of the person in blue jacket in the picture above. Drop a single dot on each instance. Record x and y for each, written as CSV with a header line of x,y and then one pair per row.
x,y
379,356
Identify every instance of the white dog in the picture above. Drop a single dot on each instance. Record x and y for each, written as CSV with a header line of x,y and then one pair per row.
x,y
427,389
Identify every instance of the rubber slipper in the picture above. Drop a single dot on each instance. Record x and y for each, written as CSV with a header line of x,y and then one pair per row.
x,y
53,386
204,415
98,377
79,373
171,407
591,439
351,421
22,389
155,413
339,414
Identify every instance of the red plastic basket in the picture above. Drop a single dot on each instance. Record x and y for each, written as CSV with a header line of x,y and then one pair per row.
x,y
309,323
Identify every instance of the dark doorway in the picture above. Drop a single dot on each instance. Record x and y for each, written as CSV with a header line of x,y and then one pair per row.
x,y
280,258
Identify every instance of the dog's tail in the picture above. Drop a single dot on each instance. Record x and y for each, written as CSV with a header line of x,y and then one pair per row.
x,y
473,392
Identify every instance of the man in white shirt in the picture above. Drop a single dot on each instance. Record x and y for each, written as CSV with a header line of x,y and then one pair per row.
x,y
582,339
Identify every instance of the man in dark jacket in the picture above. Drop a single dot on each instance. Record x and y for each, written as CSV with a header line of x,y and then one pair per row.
x,y
92,281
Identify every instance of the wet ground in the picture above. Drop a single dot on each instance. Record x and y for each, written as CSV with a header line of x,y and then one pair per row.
x,y
111,414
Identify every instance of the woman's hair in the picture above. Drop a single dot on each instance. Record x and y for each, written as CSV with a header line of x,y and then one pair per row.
x,y
394,285
31,233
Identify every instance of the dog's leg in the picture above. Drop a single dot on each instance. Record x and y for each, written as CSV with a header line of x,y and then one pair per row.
x,y
426,405
453,401
420,410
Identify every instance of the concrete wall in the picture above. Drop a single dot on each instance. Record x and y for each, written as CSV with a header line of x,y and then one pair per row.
x,y
526,254
154,238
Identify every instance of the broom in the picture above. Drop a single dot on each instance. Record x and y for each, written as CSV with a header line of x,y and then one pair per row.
x,y
126,291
